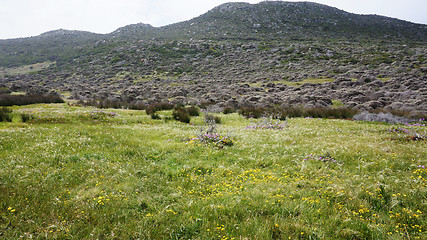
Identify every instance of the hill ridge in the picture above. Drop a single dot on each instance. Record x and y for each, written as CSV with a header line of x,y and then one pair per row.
x,y
297,9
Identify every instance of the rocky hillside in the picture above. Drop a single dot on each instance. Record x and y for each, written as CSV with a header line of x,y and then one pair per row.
x,y
236,55
48,46
291,21
266,21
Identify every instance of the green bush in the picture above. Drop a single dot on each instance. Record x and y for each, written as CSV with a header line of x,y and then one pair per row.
x,y
193,111
155,116
150,109
253,112
291,112
338,113
210,119
228,110
5,115
10,100
4,90
26,117
180,114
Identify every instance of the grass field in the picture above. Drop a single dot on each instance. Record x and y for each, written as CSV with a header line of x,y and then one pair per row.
x,y
25,69
83,173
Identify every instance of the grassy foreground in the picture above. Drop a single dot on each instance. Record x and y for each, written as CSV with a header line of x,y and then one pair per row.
x,y
82,173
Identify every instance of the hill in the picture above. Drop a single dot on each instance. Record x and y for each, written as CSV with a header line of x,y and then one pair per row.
x,y
291,21
236,55
48,46
297,21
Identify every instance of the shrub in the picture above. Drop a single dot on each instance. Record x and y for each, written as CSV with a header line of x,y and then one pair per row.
x,y
283,113
380,117
269,123
215,139
210,125
291,112
180,114
205,105
4,90
112,104
253,112
129,105
155,116
338,113
26,117
96,116
228,110
11,100
343,113
210,119
152,108
193,111
208,134
5,114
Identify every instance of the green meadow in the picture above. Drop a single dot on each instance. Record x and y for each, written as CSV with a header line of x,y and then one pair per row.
x,y
76,172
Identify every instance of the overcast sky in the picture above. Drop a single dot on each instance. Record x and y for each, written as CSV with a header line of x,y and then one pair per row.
x,y
25,18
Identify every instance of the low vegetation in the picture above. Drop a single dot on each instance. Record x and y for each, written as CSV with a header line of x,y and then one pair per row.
x,y
283,113
247,122
76,172
309,80
5,114
4,90
181,114
25,69
10,100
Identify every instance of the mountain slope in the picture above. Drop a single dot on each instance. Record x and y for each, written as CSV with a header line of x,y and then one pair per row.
x,y
236,55
265,21
235,21
291,20
49,46
134,32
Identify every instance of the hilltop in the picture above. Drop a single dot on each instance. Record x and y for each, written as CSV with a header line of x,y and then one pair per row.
x,y
277,20
235,55
291,21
